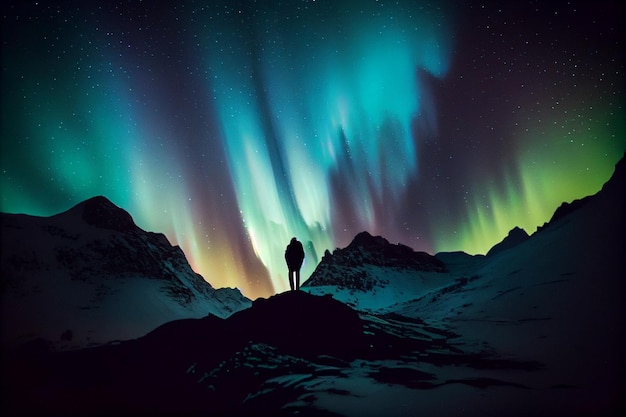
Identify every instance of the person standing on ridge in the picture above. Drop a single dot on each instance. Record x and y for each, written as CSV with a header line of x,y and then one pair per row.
x,y
294,255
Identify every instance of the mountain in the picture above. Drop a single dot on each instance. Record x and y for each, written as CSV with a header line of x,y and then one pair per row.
x,y
367,266
366,249
90,275
516,236
534,329
555,298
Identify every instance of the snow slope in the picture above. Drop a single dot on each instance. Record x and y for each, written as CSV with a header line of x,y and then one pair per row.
x,y
555,298
90,276
536,328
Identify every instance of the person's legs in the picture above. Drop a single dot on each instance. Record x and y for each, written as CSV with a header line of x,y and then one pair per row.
x,y
297,279
291,283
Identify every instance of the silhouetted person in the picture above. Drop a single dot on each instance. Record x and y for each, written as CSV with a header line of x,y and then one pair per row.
x,y
294,255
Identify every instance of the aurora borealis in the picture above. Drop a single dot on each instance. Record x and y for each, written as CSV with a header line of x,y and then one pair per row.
x,y
232,126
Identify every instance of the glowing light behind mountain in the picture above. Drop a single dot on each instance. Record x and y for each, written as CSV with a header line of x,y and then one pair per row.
x,y
340,94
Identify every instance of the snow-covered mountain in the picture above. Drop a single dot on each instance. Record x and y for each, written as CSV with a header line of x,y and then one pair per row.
x,y
90,275
555,298
534,328
371,273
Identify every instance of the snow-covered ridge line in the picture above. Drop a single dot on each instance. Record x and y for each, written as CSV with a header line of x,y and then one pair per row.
x,y
90,275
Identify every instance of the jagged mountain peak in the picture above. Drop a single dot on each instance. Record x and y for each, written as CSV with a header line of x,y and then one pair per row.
x,y
356,265
376,250
100,212
92,273
613,189
615,185
516,236
366,240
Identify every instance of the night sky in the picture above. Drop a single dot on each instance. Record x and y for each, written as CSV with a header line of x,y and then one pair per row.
x,y
232,126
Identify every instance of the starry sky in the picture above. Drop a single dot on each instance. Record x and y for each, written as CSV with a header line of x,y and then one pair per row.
x,y
232,126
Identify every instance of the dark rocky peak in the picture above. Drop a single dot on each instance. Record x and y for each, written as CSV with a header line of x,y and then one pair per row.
x,y
612,194
516,236
131,252
376,250
302,324
295,322
617,183
367,241
101,212
566,208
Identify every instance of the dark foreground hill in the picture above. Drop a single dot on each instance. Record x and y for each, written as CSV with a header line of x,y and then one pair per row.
x,y
276,358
